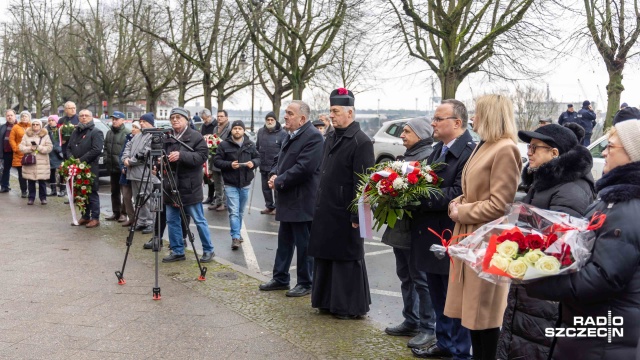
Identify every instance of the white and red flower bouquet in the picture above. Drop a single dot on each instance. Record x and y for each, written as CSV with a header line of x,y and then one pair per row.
x,y
79,179
212,140
526,244
390,188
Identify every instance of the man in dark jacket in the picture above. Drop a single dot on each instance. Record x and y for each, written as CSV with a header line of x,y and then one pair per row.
x,y
223,130
186,168
419,318
70,117
268,143
208,128
7,151
340,283
236,158
296,175
454,148
86,144
55,156
113,144
568,116
587,119
328,127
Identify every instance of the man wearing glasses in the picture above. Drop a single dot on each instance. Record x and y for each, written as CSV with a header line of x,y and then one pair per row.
x,y
86,144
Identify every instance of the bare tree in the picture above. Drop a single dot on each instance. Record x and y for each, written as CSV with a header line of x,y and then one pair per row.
x,y
531,104
457,38
614,27
295,36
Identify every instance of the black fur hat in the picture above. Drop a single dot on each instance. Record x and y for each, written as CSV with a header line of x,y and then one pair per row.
x,y
578,130
554,135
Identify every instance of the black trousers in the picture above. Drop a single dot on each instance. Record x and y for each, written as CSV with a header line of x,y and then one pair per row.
x,y
7,160
268,193
42,189
485,343
116,196
92,211
293,236
21,180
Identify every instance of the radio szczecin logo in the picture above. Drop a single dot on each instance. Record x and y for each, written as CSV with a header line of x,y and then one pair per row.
x,y
590,327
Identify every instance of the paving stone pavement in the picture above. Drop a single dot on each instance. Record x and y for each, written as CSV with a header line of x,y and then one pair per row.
x,y
59,299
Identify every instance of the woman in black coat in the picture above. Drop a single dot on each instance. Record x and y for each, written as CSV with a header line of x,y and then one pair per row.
x,y
609,284
559,178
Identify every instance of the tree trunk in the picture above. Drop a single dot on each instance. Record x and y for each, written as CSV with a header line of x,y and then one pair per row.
x,y
182,93
53,99
449,83
297,89
208,89
277,104
614,91
220,102
152,101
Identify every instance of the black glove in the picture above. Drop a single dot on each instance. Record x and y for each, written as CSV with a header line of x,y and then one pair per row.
x,y
60,155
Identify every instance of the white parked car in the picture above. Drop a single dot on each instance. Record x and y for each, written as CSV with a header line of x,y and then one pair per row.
x,y
596,148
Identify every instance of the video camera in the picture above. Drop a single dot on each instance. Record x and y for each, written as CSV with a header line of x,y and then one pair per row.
x,y
158,137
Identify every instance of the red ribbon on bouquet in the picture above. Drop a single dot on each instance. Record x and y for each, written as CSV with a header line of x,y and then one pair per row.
x,y
596,222
447,243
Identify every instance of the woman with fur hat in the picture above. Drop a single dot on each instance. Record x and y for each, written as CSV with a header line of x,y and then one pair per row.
x,y
558,177
36,141
608,285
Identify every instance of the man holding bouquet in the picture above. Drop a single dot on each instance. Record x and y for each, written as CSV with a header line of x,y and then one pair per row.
x,y
340,283
454,148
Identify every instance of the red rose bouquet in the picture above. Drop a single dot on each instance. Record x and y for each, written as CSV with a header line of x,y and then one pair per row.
x,y
526,244
392,187
79,178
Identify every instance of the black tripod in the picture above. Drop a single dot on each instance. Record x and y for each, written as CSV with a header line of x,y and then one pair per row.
x,y
158,156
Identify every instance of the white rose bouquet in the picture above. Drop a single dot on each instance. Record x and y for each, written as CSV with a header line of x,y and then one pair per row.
x,y
527,243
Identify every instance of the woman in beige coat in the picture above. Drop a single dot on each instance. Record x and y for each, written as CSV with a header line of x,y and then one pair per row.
x,y
489,182
36,141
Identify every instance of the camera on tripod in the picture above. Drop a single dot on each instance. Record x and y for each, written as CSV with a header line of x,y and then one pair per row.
x,y
158,137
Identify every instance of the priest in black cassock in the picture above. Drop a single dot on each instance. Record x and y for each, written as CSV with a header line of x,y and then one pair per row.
x,y
340,283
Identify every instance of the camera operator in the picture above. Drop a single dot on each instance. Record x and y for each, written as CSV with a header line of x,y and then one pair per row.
x,y
186,167
134,159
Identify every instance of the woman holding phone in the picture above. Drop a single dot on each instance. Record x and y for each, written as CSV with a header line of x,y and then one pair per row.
x,y
36,141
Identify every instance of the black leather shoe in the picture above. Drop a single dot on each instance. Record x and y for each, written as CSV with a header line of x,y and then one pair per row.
x,y
148,229
431,352
299,291
402,330
4,190
173,257
140,227
421,340
25,195
273,285
148,245
207,257
208,201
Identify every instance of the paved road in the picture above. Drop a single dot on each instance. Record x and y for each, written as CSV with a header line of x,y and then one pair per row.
x,y
260,242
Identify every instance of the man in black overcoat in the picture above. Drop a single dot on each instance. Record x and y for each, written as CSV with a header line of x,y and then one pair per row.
x,y
454,148
295,174
340,283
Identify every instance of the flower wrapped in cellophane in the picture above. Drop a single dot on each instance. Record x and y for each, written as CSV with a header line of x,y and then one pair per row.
x,y
212,140
391,188
526,244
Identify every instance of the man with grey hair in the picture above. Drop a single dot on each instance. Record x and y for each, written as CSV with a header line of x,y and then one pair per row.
x,y
340,283
208,128
7,150
295,174
86,144
328,128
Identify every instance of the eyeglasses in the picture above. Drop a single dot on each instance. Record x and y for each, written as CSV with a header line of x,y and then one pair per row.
x,y
610,146
437,119
531,148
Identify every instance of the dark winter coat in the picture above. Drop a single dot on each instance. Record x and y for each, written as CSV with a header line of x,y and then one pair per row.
x,y
568,117
86,144
344,157
433,212
297,167
55,156
72,120
563,184
188,169
228,152
113,145
208,129
587,119
224,134
3,131
400,235
610,281
268,144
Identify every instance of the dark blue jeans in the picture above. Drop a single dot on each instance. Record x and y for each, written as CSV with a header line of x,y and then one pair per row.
x,y
451,335
92,211
292,236
8,158
418,311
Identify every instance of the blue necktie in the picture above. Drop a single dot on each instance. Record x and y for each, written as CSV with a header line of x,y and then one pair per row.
x,y
444,150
